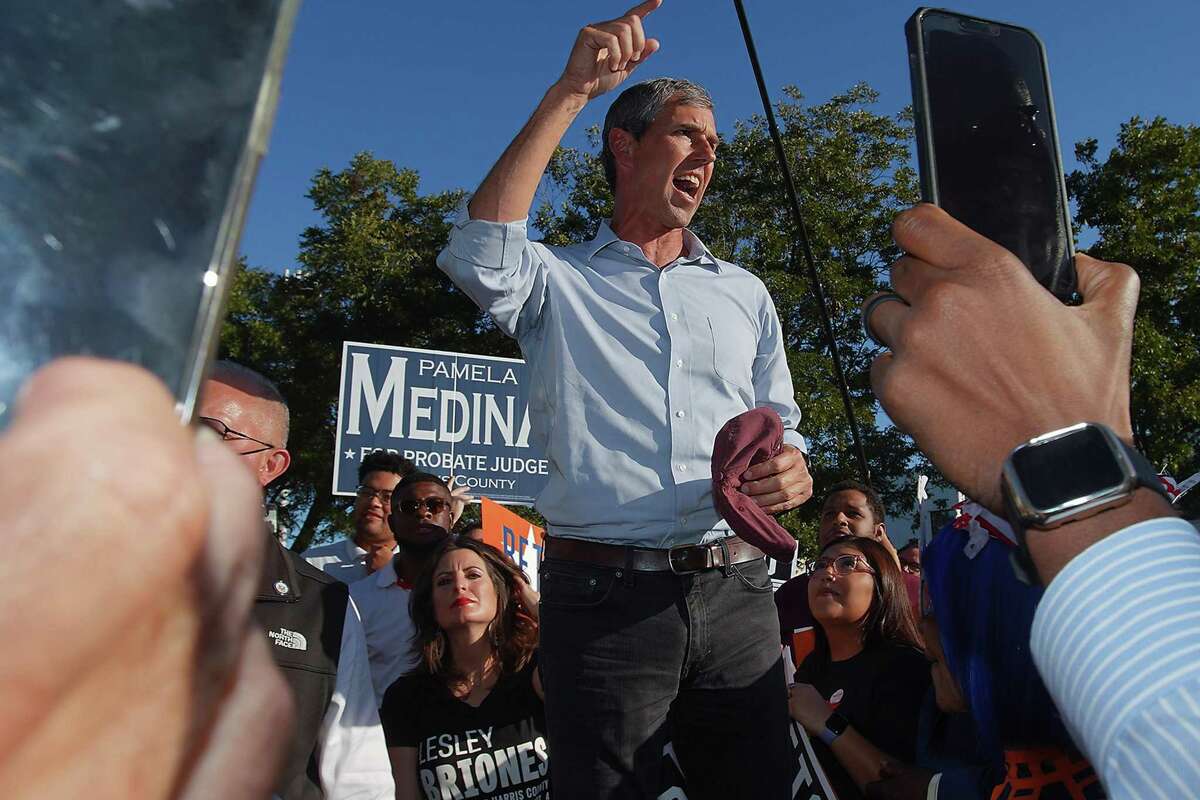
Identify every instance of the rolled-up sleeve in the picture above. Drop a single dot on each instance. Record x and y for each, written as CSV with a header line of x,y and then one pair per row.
x,y
497,266
1116,639
772,378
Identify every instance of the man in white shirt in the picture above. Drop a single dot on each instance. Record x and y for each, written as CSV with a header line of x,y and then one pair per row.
x,y
382,601
382,598
349,560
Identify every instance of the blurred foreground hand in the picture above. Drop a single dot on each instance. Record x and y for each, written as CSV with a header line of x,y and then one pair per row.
x,y
132,553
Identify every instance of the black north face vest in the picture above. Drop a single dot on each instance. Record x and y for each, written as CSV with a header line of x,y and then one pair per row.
x,y
302,611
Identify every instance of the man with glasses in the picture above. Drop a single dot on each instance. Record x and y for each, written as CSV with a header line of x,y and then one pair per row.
x,y
421,518
336,747
849,509
372,543
248,413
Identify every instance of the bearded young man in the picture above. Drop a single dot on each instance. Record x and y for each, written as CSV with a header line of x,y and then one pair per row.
x,y
372,543
657,622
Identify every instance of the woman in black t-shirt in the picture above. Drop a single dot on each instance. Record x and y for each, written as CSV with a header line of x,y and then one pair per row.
x,y
859,693
469,721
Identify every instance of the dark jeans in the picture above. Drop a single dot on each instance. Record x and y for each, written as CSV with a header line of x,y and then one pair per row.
x,y
632,660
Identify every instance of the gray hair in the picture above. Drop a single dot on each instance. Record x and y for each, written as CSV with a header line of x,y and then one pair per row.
x,y
636,107
257,384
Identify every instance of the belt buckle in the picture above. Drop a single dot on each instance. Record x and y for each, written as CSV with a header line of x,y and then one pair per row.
x,y
680,559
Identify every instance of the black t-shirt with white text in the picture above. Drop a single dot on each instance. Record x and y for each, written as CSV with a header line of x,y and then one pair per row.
x,y
880,691
494,752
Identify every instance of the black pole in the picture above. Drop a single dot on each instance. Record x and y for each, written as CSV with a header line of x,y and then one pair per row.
x,y
802,234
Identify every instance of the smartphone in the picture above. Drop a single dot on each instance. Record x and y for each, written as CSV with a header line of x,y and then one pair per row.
x,y
987,147
132,134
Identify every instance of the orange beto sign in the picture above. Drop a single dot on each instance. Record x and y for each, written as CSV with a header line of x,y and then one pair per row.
x,y
515,536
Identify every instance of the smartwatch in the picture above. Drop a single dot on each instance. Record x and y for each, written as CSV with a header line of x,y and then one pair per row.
x,y
1069,474
835,726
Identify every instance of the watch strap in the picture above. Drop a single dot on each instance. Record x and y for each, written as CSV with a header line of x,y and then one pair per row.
x,y
835,726
1147,475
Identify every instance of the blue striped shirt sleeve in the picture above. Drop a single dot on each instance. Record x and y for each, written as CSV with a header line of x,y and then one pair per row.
x,y
1116,639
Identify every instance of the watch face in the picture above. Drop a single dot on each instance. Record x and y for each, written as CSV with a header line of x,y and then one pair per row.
x,y
1079,464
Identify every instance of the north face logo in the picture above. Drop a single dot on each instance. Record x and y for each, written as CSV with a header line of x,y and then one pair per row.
x,y
289,639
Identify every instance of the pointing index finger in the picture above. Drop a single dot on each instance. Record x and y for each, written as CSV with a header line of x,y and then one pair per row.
x,y
644,8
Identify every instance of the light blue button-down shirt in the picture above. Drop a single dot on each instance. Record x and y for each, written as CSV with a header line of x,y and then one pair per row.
x,y
1116,638
634,371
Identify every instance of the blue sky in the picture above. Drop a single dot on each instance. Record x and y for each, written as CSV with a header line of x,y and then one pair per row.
x,y
443,87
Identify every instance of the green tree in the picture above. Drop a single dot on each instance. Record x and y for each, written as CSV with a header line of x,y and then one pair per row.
x,y
367,274
851,166
1144,202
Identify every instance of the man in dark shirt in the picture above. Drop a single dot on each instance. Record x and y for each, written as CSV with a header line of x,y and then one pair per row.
x,y
850,508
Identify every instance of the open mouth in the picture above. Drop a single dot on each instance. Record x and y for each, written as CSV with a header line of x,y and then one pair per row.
x,y
688,185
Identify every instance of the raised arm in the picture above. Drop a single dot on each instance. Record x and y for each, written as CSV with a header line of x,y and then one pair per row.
x,y
604,55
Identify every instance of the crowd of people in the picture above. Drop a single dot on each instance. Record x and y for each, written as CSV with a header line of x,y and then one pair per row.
x,y
1050,653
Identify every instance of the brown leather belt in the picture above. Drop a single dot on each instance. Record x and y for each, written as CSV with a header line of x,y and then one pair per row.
x,y
680,560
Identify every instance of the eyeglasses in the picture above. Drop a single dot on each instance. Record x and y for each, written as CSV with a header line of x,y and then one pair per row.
x,y
842,565
228,434
436,505
367,493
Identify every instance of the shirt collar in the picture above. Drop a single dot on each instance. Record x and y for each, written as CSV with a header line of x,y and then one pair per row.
x,y
694,250
386,576
354,552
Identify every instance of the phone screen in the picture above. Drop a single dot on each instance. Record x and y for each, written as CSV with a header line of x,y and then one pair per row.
x,y
989,124
131,136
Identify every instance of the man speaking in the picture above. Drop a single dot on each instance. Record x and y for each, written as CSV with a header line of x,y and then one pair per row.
x,y
657,623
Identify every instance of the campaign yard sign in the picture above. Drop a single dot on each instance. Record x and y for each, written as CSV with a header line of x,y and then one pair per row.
x,y
515,536
462,417
810,781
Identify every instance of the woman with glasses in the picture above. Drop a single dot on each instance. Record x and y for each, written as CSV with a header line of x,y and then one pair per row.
x,y
859,693
469,720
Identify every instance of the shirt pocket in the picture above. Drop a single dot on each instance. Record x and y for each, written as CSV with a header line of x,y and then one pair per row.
x,y
734,347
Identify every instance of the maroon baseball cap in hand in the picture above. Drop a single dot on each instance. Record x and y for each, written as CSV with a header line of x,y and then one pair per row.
x,y
748,439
